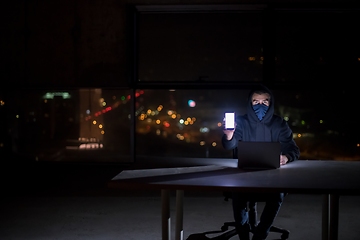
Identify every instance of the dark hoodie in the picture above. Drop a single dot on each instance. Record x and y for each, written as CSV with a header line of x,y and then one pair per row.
x,y
271,128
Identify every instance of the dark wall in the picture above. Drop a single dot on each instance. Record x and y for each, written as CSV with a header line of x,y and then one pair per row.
x,y
64,43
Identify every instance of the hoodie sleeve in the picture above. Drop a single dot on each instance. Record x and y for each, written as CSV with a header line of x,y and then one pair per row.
x,y
288,145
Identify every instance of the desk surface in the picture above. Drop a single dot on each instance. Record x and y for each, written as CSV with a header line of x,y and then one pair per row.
x,y
330,177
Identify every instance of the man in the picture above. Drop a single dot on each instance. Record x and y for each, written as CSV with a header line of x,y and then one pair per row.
x,y
260,125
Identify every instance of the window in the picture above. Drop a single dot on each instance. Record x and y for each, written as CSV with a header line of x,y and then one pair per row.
x,y
317,46
316,58
191,65
322,121
69,125
188,123
204,47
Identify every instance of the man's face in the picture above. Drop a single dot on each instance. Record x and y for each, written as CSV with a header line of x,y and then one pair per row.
x,y
261,99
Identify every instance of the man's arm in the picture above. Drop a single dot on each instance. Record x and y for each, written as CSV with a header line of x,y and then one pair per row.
x,y
288,146
229,141
231,137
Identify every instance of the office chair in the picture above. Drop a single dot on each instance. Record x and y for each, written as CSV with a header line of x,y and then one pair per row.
x,y
227,234
252,221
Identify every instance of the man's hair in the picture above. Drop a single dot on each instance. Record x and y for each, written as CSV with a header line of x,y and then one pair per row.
x,y
261,92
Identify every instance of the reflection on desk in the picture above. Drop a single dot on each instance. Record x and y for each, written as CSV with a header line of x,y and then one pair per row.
x,y
330,177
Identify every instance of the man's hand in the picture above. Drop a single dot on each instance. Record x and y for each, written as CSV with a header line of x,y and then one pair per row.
x,y
229,133
283,159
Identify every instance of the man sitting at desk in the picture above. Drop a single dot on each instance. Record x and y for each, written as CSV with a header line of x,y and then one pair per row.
x,y
260,125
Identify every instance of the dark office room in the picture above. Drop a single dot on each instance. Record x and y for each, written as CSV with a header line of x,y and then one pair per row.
x,y
114,119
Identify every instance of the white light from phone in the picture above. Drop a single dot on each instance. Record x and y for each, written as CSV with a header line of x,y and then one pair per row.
x,y
230,120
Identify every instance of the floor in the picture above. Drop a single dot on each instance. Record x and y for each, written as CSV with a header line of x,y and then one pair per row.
x,y
72,202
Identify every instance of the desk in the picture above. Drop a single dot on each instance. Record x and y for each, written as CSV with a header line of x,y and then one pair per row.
x,y
330,178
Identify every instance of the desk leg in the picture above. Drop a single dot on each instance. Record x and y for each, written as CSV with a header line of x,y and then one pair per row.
x,y
179,233
165,215
334,217
325,217
330,217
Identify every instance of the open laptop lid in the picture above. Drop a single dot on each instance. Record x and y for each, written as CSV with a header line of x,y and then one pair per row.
x,y
259,155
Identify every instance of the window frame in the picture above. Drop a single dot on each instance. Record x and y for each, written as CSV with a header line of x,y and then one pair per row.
x,y
270,13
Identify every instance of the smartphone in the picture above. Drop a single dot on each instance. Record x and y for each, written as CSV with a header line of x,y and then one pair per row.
x,y
230,120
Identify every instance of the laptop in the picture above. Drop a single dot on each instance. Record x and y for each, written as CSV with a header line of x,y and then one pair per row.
x,y
259,155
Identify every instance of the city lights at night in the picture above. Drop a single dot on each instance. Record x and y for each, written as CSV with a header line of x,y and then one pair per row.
x,y
51,95
164,118
191,103
160,117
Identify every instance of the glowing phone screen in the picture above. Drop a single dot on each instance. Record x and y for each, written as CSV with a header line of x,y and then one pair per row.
x,y
230,120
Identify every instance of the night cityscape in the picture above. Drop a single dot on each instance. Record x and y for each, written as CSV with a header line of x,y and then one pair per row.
x,y
65,126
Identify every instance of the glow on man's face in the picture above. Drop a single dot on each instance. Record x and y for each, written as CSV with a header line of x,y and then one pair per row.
x,y
261,99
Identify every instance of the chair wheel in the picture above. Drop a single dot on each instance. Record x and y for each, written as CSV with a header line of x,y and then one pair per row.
x,y
224,228
284,236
